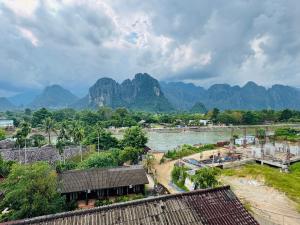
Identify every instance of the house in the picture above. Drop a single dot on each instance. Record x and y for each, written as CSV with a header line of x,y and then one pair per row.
x,y
248,139
218,206
4,123
102,182
204,122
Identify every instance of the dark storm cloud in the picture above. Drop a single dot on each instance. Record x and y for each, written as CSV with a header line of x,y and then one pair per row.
x,y
74,42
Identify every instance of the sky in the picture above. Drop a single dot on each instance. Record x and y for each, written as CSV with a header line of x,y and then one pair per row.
x,y
75,42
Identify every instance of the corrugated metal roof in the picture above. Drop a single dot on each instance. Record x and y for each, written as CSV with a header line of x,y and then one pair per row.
x,y
217,206
99,178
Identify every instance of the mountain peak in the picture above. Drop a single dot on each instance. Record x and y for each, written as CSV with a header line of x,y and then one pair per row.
x,y
54,96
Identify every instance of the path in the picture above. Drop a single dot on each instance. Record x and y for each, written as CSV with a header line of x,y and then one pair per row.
x,y
265,201
163,171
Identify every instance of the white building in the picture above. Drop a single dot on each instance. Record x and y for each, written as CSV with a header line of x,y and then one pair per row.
x,y
4,123
249,140
204,122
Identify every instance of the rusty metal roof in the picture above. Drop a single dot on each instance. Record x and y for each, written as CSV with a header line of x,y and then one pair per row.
x,y
101,178
217,206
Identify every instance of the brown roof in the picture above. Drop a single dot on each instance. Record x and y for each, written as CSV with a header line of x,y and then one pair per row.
x,y
217,206
96,179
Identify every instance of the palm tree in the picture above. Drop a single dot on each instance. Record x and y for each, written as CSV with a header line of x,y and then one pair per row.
x,y
98,129
78,136
49,126
63,132
25,130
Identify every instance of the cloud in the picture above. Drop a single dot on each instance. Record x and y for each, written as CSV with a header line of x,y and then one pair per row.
x,y
75,42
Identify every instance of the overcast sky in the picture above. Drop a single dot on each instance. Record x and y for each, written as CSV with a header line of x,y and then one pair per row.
x,y
75,42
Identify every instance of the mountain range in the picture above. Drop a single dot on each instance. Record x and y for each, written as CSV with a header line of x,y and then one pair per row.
x,y
145,93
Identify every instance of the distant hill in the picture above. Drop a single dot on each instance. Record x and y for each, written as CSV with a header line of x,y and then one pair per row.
x,y
223,96
54,97
5,104
23,99
141,93
198,108
183,96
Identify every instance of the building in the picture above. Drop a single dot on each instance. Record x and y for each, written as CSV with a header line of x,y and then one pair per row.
x,y
217,206
248,139
4,123
100,183
204,122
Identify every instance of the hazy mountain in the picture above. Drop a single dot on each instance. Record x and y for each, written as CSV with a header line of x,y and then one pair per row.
x,y
5,104
23,99
142,93
54,97
183,96
198,108
223,96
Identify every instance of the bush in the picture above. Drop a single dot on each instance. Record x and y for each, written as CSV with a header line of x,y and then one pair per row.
x,y
69,165
186,150
206,178
103,202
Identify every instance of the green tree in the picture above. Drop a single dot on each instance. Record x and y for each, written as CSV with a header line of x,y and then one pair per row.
x,y
31,190
215,114
38,140
5,167
206,178
100,160
39,117
2,134
130,154
49,126
134,137
149,162
101,138
286,114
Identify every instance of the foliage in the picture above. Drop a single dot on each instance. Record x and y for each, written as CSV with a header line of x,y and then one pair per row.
x,y
49,126
178,176
130,154
31,190
5,167
37,140
103,202
288,183
69,165
149,162
22,134
2,134
288,134
206,178
100,160
39,116
134,137
102,137
186,150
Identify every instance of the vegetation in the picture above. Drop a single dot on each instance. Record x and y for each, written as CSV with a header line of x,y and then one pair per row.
x,y
2,134
30,190
289,183
187,150
134,137
5,167
288,134
118,199
206,178
178,176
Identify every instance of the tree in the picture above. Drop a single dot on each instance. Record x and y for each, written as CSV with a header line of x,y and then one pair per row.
x,y
206,178
5,167
102,139
134,137
49,126
31,190
100,160
63,132
39,117
149,162
285,115
38,140
130,154
215,114
2,134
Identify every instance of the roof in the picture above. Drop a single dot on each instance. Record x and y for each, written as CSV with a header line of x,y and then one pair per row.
x,y
217,206
99,178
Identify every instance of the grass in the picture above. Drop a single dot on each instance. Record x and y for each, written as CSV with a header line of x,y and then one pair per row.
x,y
288,183
187,150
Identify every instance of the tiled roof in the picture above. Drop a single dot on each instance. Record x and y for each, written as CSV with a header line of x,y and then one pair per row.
x,y
95,179
217,206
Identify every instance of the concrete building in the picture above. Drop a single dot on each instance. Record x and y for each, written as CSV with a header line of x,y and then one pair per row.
x,y
4,123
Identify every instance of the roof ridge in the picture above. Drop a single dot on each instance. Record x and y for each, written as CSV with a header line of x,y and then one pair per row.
x,y
112,206
100,169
